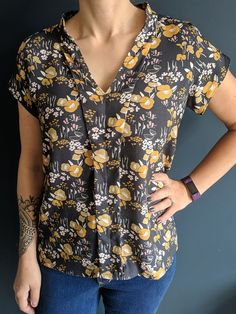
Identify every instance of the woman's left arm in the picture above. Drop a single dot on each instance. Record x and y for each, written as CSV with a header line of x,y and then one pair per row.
x,y
222,157
219,160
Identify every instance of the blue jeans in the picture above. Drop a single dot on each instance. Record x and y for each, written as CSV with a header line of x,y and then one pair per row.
x,y
67,294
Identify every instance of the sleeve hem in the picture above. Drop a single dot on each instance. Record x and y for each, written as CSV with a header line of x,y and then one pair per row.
x,y
19,97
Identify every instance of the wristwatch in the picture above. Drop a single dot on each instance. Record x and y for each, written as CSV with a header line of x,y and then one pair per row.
x,y
195,194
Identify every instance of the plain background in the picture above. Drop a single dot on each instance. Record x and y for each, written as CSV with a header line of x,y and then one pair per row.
x,y
205,279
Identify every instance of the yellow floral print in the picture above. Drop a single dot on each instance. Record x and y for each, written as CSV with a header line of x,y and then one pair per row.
x,y
170,30
164,92
99,150
209,88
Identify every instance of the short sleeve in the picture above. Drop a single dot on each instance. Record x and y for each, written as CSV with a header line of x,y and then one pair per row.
x,y
20,82
208,66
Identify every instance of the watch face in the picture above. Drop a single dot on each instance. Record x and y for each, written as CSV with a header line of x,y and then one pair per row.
x,y
192,187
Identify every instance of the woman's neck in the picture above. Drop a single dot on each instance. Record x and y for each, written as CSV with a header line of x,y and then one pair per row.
x,y
103,19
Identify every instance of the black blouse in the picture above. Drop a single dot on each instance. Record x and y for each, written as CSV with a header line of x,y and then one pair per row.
x,y
100,148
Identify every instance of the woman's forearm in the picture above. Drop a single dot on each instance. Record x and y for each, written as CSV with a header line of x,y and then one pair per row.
x,y
219,160
29,195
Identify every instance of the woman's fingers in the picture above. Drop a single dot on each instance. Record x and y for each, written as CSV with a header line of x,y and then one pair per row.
x,y
167,214
22,297
161,176
165,203
34,296
159,194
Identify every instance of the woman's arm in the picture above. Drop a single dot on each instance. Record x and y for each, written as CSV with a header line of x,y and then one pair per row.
x,y
222,157
29,181
219,160
29,194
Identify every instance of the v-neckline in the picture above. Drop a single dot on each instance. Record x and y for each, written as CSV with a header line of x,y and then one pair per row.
x,y
148,10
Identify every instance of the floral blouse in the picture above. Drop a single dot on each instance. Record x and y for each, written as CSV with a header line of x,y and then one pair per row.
x,y
100,148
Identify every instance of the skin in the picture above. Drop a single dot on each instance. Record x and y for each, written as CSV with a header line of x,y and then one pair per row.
x,y
102,30
28,208
105,33
29,187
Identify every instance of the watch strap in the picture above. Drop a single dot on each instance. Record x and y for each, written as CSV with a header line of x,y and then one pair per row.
x,y
195,194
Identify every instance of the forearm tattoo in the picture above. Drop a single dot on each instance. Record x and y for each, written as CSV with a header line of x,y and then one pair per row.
x,y
28,214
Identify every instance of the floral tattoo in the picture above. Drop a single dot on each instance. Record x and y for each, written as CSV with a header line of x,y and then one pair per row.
x,y
28,209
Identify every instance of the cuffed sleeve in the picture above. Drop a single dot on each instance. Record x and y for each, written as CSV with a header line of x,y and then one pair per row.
x,y
19,83
208,65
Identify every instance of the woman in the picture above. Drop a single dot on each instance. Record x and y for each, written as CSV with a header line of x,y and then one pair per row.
x,y
101,95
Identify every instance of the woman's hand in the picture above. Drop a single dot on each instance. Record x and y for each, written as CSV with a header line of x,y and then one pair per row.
x,y
174,193
27,285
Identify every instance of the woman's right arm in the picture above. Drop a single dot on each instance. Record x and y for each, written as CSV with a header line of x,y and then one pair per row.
x,y
29,194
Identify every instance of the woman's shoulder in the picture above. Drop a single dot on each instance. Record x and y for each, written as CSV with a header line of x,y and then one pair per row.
x,y
166,19
173,26
42,39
